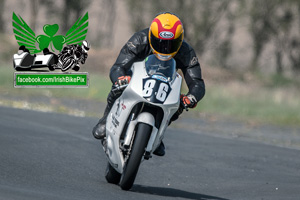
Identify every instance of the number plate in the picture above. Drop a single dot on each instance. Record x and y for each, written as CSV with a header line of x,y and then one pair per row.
x,y
155,91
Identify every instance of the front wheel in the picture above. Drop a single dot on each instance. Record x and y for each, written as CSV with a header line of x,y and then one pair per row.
x,y
131,168
67,64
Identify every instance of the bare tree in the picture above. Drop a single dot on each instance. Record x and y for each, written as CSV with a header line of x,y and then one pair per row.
x,y
136,10
271,22
261,27
70,7
294,44
2,3
294,54
108,15
52,9
224,49
34,4
283,24
203,21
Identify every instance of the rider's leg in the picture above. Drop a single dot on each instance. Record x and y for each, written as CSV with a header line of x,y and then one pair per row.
x,y
99,129
160,150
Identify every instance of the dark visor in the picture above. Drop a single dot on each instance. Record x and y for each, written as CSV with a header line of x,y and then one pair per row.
x,y
165,46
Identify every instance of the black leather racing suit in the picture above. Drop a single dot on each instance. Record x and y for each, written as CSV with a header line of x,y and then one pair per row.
x,y
137,49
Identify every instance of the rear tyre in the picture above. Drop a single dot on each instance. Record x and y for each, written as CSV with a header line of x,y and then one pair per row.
x,y
131,168
51,67
111,175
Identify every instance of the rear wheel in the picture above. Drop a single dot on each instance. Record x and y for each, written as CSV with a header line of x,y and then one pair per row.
x,y
51,67
111,175
138,149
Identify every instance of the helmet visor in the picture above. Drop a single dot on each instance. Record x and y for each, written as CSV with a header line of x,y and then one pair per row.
x,y
165,46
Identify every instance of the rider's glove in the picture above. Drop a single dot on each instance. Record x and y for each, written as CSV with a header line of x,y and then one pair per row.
x,y
189,100
123,80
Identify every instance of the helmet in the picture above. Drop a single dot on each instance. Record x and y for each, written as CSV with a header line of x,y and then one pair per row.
x,y
86,46
165,35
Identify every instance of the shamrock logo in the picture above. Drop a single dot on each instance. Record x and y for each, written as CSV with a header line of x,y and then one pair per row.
x,y
25,35
45,40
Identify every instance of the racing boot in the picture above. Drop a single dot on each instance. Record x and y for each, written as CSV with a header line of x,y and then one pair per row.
x,y
160,150
100,128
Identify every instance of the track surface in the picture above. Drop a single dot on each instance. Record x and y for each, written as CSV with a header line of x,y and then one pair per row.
x,y
54,156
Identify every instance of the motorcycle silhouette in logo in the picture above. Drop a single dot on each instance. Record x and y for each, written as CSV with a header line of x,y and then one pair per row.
x,y
72,55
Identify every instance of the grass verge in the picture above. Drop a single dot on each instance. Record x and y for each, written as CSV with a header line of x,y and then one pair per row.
x,y
272,105
259,106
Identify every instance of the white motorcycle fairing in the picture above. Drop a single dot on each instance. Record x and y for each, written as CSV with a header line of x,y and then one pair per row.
x,y
149,98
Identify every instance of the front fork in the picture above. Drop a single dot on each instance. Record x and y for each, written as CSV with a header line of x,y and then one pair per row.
x,y
146,118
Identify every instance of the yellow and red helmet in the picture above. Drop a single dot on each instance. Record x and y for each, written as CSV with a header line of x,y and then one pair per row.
x,y
165,35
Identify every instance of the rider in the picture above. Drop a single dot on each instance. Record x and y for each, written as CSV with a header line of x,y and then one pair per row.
x,y
80,51
164,38
23,49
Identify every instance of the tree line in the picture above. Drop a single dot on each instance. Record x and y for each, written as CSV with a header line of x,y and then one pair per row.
x,y
273,26
212,24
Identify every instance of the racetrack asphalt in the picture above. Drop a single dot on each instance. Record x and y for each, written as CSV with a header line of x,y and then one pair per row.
x,y
54,156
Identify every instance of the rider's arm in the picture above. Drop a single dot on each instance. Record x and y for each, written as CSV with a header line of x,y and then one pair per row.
x,y
134,50
190,66
66,49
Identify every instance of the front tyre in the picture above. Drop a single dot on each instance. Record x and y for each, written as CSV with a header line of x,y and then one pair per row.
x,y
131,168
111,175
67,64
76,68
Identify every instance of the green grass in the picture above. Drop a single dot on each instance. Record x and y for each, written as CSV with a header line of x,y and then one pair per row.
x,y
258,105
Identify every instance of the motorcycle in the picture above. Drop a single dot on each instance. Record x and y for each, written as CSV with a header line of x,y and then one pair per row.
x,y
69,60
138,119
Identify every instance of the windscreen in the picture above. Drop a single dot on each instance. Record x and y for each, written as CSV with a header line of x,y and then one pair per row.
x,y
165,70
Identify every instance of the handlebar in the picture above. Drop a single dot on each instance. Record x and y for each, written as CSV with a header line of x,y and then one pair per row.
x,y
184,106
118,88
